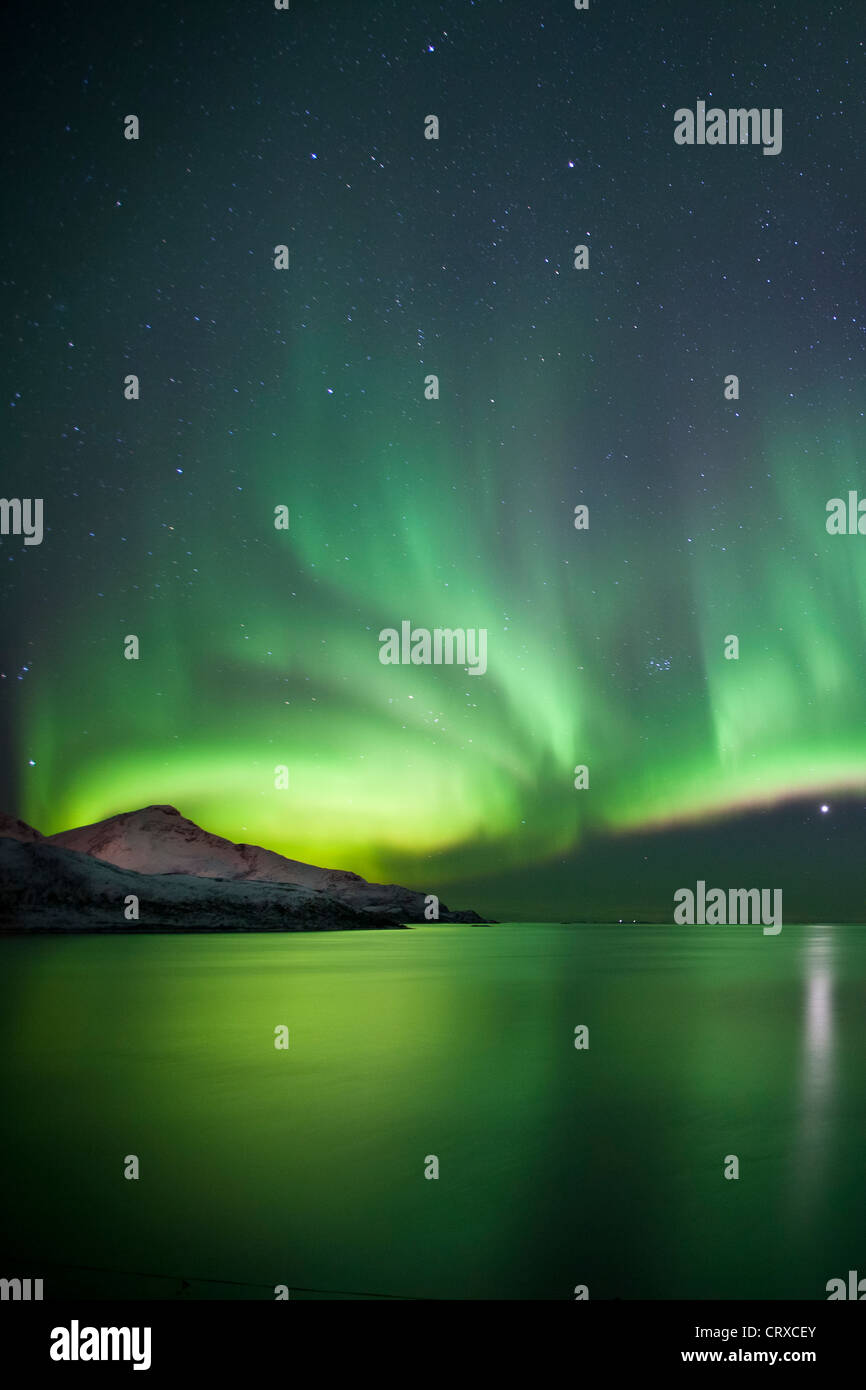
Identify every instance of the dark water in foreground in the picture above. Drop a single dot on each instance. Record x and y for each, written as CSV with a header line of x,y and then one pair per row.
x,y
557,1167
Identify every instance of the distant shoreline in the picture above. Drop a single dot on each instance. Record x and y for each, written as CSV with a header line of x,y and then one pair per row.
x,y
196,931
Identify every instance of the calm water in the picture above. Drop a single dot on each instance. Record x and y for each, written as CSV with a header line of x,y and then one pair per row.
x,y
557,1167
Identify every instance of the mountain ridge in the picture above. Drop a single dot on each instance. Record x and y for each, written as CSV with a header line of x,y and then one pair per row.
x,y
44,887
158,841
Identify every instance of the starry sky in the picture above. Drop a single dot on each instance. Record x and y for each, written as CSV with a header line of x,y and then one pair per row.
x,y
558,387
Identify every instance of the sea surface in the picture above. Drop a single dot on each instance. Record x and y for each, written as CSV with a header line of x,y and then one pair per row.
x,y
558,1167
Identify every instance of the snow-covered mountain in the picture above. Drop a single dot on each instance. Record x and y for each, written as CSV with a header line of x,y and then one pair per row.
x,y
159,840
44,887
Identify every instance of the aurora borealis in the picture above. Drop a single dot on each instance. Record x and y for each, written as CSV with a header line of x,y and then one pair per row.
x,y
558,387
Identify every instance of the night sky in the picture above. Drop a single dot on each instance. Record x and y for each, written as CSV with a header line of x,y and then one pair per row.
x,y
558,387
